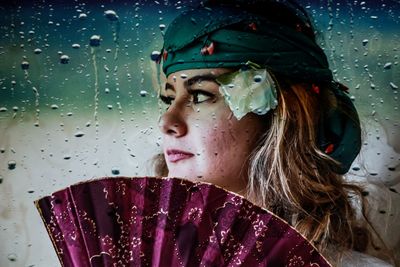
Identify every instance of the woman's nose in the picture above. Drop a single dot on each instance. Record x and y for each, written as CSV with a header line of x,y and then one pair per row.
x,y
172,122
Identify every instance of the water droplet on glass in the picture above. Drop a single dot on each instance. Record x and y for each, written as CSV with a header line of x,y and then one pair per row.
x,y
67,157
387,65
95,40
12,257
143,93
82,16
76,46
356,168
155,55
257,78
15,109
365,42
162,27
37,51
79,134
3,109
183,76
25,65
12,164
64,59
115,171
394,87
109,106
111,15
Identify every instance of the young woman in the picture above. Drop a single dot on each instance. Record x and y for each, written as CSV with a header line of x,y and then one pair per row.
x,y
253,108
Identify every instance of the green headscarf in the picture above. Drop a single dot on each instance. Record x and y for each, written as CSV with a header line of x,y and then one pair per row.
x,y
219,36
239,37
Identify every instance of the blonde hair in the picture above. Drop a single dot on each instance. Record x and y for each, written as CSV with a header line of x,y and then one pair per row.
x,y
289,175
292,177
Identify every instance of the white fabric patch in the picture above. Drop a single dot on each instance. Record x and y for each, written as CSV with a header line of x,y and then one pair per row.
x,y
251,90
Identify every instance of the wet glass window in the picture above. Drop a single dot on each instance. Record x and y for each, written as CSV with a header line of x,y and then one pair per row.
x,y
79,100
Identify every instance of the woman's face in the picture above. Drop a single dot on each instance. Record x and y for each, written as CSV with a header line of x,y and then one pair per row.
x,y
202,140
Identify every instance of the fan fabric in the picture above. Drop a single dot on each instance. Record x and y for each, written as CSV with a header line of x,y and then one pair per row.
x,y
152,221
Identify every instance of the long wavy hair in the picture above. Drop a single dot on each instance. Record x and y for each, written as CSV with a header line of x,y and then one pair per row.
x,y
291,176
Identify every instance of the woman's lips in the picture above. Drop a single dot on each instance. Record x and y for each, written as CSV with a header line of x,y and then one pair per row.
x,y
174,155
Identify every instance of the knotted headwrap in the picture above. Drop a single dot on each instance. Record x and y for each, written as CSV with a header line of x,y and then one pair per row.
x,y
229,37
283,49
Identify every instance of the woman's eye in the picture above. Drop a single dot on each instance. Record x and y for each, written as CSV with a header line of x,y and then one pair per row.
x,y
201,96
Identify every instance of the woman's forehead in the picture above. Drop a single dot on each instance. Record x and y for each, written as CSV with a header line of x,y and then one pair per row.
x,y
190,73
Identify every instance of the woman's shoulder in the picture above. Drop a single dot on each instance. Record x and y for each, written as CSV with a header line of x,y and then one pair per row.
x,y
357,259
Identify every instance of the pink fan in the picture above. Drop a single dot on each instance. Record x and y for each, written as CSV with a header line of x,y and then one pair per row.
x,y
167,222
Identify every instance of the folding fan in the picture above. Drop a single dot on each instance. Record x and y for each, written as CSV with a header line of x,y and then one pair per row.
x,y
167,222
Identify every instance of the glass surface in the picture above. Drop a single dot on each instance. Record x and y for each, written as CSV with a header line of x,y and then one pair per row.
x,y
75,107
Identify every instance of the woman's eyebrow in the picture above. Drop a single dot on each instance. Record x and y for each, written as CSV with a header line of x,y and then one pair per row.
x,y
199,78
